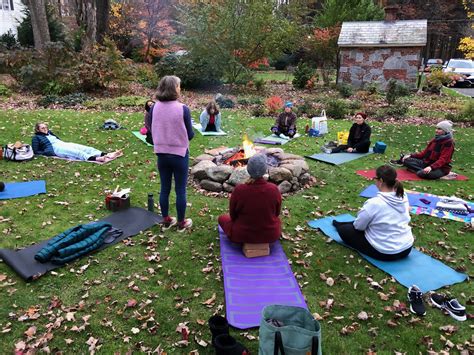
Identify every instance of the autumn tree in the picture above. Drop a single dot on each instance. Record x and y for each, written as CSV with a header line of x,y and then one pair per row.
x,y
39,22
466,45
92,16
232,34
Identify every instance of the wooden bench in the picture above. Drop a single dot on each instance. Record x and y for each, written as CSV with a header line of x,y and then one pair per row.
x,y
256,250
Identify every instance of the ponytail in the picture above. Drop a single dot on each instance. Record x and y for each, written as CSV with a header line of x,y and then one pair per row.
x,y
398,187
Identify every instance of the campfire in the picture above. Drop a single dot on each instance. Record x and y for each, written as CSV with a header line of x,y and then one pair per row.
x,y
242,156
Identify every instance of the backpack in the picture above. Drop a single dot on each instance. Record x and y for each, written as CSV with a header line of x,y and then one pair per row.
x,y
17,152
111,124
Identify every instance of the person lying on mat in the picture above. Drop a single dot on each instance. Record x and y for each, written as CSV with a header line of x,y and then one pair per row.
x,y
359,136
45,142
435,160
381,229
254,207
210,118
286,122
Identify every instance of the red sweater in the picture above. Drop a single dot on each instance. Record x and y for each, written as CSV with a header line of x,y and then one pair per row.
x,y
254,210
437,154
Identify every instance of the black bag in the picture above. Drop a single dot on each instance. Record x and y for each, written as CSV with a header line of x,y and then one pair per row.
x,y
149,137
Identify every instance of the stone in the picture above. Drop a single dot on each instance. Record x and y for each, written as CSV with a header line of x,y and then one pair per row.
x,y
219,173
295,187
274,151
203,157
295,169
238,176
211,185
227,187
284,187
301,163
279,174
305,179
199,170
288,156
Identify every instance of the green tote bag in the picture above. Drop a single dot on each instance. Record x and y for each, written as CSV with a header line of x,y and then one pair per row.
x,y
288,330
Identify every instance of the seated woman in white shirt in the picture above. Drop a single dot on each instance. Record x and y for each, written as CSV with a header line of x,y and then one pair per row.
x,y
381,229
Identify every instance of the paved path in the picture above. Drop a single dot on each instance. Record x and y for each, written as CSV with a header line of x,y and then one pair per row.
x,y
465,91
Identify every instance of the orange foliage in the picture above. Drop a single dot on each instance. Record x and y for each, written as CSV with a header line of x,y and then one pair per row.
x,y
274,103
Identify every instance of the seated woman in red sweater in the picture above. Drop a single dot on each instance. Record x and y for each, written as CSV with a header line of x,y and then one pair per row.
x,y
254,207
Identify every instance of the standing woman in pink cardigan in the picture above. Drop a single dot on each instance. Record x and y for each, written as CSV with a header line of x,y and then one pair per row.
x,y
172,130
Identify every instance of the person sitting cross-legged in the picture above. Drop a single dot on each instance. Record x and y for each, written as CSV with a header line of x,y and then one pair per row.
x,y
359,136
254,207
381,229
434,161
285,122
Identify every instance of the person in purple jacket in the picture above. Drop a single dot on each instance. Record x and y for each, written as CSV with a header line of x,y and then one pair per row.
x,y
172,130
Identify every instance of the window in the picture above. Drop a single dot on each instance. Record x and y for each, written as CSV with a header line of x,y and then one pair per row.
x,y
5,5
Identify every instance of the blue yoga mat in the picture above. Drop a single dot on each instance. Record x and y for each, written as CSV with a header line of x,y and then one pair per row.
x,y
23,189
416,269
338,158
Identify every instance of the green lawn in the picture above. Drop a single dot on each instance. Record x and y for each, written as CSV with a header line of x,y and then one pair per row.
x,y
87,300
274,75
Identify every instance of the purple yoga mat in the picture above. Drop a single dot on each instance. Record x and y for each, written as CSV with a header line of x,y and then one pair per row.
x,y
266,141
251,284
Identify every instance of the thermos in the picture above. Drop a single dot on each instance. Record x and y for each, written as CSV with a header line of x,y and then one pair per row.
x,y
151,203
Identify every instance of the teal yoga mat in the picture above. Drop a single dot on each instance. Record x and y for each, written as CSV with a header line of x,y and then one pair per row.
x,y
275,139
416,269
141,137
338,158
23,189
198,127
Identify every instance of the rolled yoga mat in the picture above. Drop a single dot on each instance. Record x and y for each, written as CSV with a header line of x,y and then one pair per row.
x,y
251,284
338,158
141,137
23,189
416,269
131,221
427,206
198,127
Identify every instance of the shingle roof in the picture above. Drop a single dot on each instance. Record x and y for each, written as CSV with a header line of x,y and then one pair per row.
x,y
383,34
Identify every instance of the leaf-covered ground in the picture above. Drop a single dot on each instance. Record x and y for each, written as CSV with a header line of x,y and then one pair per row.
x,y
156,291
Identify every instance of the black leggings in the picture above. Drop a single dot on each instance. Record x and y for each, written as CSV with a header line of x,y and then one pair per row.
x,y
363,148
417,166
357,240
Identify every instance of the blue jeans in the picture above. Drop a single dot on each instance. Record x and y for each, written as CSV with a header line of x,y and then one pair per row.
x,y
169,165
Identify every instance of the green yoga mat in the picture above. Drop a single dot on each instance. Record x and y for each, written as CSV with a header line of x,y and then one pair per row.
x,y
198,127
141,137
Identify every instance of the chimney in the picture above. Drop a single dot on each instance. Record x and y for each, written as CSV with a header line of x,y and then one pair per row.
x,y
391,13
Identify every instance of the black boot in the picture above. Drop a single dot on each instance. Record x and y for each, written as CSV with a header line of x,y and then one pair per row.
x,y
218,325
227,345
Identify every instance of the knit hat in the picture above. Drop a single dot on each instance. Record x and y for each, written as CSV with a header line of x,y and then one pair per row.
x,y
362,114
288,104
257,166
446,126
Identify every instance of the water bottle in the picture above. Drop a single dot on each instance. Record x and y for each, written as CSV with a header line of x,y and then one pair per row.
x,y
151,203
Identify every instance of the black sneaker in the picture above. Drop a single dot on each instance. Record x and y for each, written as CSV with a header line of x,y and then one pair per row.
x,y
452,306
397,162
415,296
227,345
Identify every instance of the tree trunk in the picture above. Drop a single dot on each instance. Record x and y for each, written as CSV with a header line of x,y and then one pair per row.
x,y
39,22
103,8
86,17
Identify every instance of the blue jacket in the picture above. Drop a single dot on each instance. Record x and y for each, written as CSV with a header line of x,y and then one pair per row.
x,y
204,120
41,144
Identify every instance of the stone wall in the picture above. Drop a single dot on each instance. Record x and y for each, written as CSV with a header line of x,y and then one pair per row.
x,y
360,66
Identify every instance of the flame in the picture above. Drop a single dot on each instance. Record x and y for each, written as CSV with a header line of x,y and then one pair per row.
x,y
249,149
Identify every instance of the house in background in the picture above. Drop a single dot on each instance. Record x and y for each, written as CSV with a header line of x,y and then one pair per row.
x,y
11,11
377,51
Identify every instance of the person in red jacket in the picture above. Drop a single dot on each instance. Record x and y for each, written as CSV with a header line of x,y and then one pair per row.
x,y
254,207
435,160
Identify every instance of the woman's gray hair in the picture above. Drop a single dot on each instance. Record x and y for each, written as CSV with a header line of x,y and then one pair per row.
x,y
167,88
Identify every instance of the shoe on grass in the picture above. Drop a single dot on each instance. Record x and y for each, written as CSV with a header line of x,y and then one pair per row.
x,y
452,306
396,162
415,297
184,225
168,222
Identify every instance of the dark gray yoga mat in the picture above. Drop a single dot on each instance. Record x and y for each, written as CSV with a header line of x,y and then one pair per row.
x,y
131,221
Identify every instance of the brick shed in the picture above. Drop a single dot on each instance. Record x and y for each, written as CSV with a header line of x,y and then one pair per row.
x,y
377,51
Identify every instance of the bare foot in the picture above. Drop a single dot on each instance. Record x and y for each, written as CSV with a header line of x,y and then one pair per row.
x,y
115,154
101,159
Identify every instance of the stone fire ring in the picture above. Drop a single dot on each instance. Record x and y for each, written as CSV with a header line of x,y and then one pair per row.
x,y
210,173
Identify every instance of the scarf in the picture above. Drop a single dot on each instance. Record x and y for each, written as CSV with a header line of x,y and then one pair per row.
x,y
443,136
